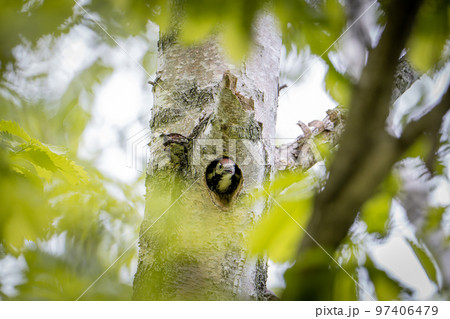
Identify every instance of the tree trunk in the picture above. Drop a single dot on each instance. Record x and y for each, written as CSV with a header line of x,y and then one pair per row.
x,y
193,244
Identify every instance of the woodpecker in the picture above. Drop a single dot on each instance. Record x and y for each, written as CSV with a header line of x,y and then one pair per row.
x,y
223,177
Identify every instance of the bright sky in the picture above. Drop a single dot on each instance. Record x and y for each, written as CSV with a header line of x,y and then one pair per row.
x,y
305,100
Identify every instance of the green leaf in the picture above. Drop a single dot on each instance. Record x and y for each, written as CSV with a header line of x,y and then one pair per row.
x,y
30,20
426,261
391,185
41,156
430,34
434,217
236,40
280,231
317,26
338,86
196,29
420,148
38,156
72,172
375,213
24,213
344,287
284,179
13,128
386,288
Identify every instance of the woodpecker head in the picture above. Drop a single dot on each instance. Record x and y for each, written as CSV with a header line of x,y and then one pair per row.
x,y
223,177
225,166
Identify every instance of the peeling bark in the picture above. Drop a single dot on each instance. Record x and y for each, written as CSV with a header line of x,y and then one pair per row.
x,y
303,154
191,247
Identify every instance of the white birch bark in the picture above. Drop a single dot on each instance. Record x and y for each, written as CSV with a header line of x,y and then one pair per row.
x,y
192,246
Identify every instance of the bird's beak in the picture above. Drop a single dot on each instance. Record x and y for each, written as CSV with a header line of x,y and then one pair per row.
x,y
229,170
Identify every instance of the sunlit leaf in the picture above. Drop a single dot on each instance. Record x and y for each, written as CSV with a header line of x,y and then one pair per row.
x,y
236,40
197,29
279,232
13,128
38,156
338,86
283,180
24,214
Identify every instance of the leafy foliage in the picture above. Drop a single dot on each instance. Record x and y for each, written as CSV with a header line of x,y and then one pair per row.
x,y
386,288
376,211
30,20
59,215
47,198
430,36
279,231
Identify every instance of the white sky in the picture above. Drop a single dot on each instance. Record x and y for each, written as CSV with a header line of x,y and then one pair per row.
x,y
305,101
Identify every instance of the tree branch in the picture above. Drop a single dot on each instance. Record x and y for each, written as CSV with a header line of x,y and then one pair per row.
x,y
366,154
300,153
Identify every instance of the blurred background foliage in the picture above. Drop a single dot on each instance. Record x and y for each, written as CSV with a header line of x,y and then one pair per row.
x,y
62,222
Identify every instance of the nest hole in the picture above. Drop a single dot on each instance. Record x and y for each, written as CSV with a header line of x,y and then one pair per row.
x,y
224,180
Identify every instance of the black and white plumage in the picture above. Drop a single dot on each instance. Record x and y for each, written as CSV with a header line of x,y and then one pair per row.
x,y
223,177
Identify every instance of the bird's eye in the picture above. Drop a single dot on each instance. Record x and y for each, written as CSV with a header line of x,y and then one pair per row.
x,y
220,165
